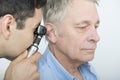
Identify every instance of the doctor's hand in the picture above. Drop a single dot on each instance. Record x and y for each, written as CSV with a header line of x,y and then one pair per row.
x,y
23,68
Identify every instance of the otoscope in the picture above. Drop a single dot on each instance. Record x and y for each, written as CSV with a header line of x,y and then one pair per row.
x,y
39,32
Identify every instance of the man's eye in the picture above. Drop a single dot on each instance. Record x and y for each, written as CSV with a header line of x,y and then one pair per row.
x,y
83,27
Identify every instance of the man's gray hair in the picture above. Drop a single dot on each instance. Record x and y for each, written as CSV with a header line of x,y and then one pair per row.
x,y
55,10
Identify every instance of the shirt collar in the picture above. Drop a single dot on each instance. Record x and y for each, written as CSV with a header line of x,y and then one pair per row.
x,y
52,62
86,69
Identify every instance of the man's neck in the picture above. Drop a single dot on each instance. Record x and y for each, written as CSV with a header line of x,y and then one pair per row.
x,y
70,65
2,49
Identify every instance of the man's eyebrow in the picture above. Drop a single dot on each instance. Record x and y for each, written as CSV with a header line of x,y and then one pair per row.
x,y
88,22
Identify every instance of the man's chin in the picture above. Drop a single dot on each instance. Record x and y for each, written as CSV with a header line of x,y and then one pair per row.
x,y
89,57
11,58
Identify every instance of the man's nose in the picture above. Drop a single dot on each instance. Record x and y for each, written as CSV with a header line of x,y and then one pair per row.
x,y
93,35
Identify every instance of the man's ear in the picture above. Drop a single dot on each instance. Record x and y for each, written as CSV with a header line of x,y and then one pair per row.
x,y
51,32
6,22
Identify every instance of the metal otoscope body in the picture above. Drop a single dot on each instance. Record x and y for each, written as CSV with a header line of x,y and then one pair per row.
x,y
40,31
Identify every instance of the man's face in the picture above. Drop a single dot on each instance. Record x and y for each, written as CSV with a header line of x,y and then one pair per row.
x,y
79,31
21,39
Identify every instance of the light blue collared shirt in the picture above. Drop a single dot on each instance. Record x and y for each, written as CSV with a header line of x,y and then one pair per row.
x,y
51,69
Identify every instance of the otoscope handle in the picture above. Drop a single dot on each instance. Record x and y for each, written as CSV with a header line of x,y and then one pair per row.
x,y
32,50
34,47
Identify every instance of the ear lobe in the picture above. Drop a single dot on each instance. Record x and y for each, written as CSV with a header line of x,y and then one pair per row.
x,y
5,25
51,32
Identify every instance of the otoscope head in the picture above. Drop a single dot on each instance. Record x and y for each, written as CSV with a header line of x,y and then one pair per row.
x,y
41,30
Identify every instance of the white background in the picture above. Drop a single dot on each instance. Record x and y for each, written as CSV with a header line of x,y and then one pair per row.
x,y
106,61
107,58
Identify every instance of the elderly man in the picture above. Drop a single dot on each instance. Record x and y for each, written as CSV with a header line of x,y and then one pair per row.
x,y
72,36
